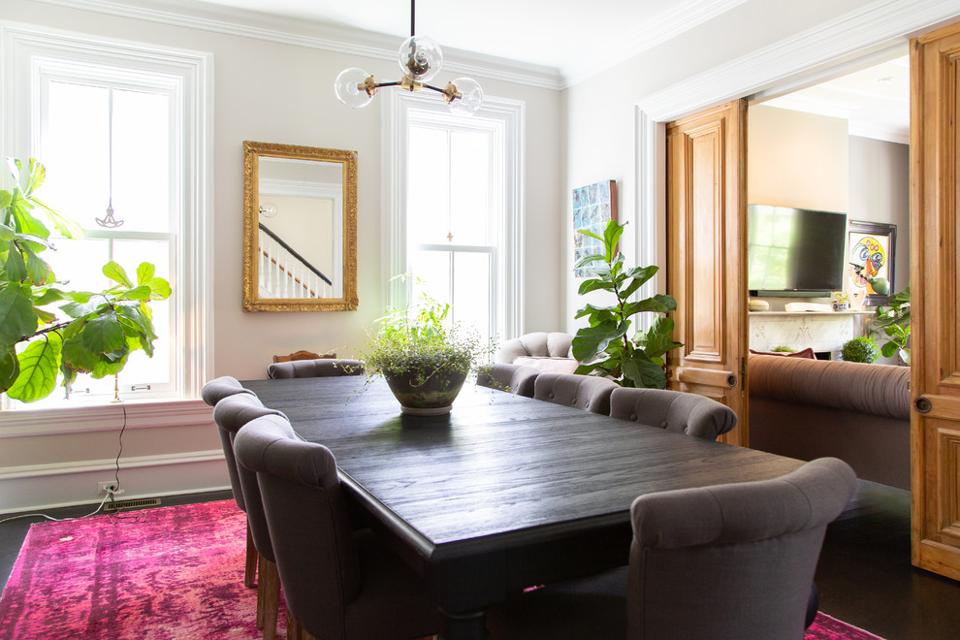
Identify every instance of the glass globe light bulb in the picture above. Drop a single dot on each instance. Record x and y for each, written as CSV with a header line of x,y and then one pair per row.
x,y
471,97
420,58
268,210
349,88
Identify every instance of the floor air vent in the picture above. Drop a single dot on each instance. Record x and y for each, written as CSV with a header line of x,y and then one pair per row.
x,y
124,505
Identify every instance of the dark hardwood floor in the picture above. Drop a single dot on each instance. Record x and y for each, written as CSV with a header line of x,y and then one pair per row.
x,y
865,577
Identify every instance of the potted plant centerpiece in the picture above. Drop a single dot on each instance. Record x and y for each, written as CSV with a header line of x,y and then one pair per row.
x,y
424,357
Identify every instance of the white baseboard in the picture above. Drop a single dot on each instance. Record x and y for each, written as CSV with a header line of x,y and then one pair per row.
x,y
48,486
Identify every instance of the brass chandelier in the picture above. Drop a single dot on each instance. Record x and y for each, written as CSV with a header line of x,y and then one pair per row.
x,y
420,60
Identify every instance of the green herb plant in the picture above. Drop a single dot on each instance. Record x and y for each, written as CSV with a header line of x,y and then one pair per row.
x,y
861,349
782,348
605,347
894,322
47,330
421,343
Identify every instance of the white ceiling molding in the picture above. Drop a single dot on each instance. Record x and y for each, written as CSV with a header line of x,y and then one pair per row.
x,y
853,34
316,35
671,23
878,131
792,61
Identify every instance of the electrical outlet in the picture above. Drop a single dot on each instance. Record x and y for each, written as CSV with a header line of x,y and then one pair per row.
x,y
109,486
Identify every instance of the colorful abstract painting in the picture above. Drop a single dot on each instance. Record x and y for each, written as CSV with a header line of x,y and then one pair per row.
x,y
870,258
593,207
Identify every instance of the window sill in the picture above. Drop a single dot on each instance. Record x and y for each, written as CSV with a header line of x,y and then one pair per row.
x,y
140,414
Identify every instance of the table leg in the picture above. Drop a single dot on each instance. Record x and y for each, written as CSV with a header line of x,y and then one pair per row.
x,y
470,625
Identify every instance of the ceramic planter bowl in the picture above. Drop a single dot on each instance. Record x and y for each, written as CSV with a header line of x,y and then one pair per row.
x,y
434,397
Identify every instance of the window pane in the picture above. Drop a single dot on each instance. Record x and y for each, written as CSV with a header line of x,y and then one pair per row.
x,y
74,149
78,263
141,160
470,211
471,291
431,275
428,185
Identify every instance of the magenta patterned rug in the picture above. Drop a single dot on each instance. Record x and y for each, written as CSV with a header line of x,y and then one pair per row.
x,y
159,574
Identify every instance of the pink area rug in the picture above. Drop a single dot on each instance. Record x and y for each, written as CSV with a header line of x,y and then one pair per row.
x,y
159,574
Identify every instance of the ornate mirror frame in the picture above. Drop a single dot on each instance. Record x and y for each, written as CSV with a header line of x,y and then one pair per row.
x,y
252,152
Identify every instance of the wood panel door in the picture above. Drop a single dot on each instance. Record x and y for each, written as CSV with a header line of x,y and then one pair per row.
x,y
706,256
935,237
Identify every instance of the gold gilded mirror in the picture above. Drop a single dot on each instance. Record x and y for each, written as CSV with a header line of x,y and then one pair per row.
x,y
299,228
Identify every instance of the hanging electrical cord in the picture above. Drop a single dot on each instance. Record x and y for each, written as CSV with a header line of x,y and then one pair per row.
x,y
110,493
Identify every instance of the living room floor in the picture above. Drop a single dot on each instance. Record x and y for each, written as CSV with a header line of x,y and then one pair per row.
x,y
865,577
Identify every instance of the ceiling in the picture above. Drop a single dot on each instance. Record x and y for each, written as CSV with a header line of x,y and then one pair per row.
x,y
575,37
875,101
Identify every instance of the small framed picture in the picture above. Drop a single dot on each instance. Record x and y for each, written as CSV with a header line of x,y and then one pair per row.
x,y
593,207
871,250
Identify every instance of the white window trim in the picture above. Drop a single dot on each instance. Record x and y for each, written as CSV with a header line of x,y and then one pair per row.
x,y
19,45
395,114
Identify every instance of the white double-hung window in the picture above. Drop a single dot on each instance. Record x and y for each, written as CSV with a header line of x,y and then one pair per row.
x,y
455,209
120,131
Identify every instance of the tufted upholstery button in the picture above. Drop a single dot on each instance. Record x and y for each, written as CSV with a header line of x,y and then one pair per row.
x,y
573,401
633,417
663,425
550,395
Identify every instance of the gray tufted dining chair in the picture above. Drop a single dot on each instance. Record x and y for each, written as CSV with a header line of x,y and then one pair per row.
x,y
727,561
687,413
337,582
591,393
212,393
231,414
513,378
320,368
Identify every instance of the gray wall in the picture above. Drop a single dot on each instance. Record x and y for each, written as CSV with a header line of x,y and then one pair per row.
x,y
880,192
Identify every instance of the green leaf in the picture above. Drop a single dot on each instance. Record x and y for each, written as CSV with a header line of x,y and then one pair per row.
x,y
103,335
38,271
659,338
642,372
39,364
137,293
585,260
107,366
593,284
160,289
6,233
37,175
76,356
17,318
64,226
590,341
5,198
590,309
24,222
42,297
80,309
590,234
145,272
889,349
14,267
116,273
611,236
9,368
657,304
45,316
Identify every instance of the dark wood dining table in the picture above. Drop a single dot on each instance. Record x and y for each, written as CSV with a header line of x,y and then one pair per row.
x,y
505,492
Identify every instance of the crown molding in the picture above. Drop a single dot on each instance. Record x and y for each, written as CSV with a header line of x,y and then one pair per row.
x,y
670,23
312,34
851,35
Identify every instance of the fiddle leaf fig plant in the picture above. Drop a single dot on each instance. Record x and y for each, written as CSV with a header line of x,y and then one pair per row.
x,y
604,347
49,331
894,322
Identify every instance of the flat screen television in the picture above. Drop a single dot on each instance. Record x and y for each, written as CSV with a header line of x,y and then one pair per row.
x,y
795,251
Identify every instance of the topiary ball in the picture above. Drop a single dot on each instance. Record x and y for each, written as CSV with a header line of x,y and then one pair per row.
x,y
861,349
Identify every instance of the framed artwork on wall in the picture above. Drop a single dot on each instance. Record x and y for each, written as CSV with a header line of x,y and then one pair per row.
x,y
593,207
871,249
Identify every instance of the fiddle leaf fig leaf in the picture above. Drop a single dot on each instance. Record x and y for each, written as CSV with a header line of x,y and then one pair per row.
x,y
145,272
39,364
116,273
159,288
17,318
9,368
103,334
590,341
641,371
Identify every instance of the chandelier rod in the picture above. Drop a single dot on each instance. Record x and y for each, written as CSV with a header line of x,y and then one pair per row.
x,y
413,17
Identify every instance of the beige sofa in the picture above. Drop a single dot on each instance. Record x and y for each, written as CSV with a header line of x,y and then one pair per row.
x,y
809,409
546,352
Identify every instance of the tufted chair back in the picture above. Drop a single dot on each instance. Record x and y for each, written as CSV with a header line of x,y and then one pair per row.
x,y
676,411
591,393
231,415
321,368
734,560
508,377
309,524
219,388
